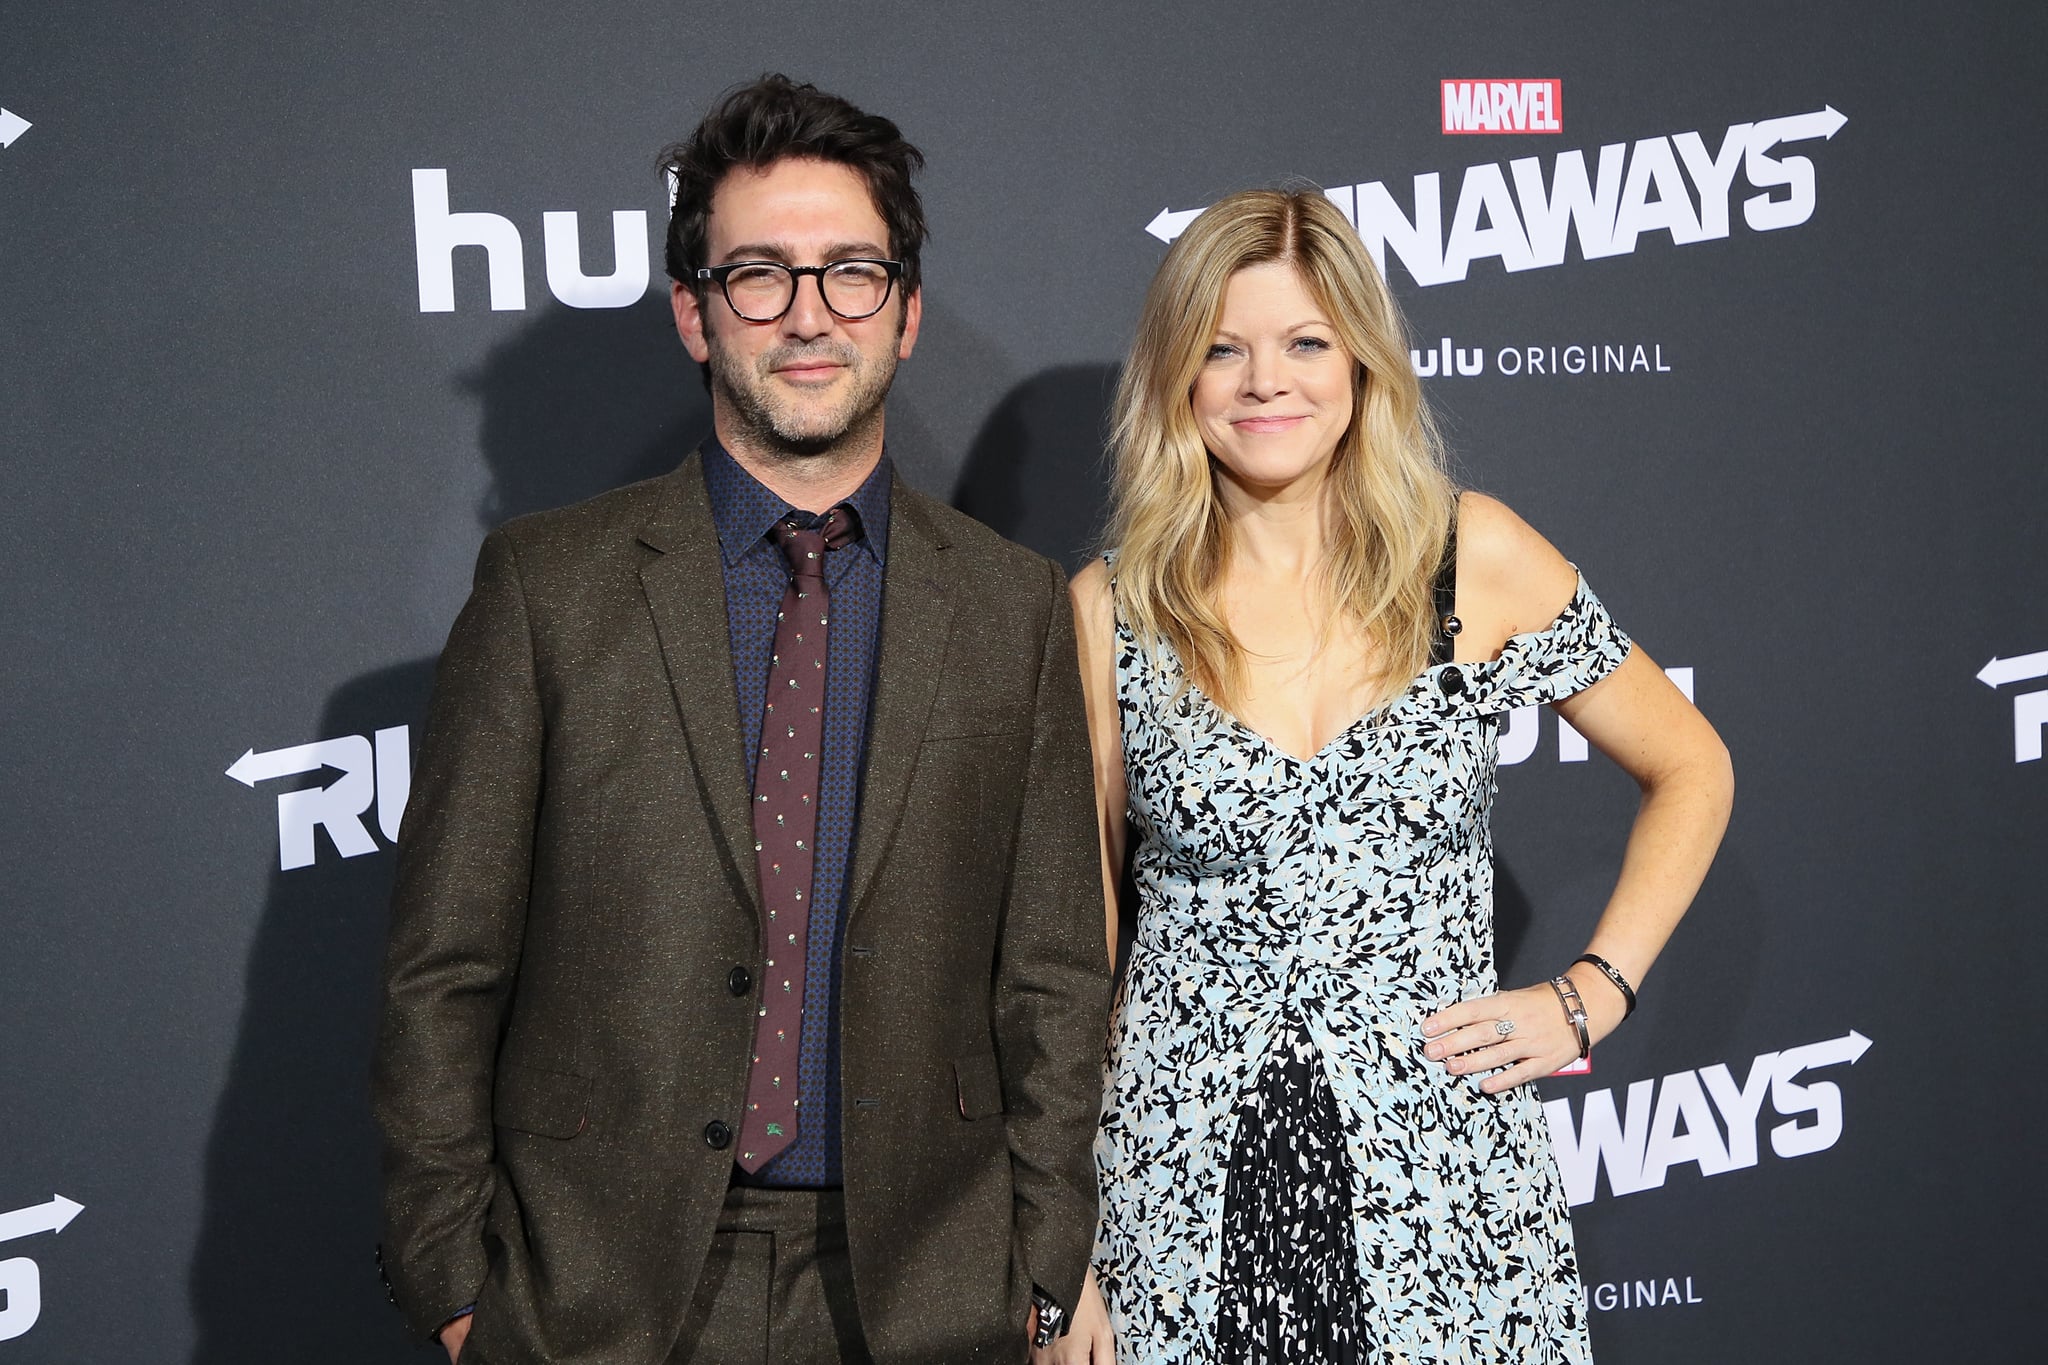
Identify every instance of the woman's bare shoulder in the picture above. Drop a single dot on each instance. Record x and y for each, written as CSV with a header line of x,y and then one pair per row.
x,y
1510,579
1094,605
1093,578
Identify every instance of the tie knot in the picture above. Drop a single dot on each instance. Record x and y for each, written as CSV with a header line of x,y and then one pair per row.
x,y
806,546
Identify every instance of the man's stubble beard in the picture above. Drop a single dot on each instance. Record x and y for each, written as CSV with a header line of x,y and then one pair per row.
x,y
774,429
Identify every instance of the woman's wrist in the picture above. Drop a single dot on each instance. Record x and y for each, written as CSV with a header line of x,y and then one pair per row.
x,y
1604,1006
1614,978
1577,1018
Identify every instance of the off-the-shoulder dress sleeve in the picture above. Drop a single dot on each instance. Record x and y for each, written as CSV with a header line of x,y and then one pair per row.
x,y
1578,649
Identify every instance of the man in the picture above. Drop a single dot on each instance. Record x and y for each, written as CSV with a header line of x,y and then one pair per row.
x,y
746,990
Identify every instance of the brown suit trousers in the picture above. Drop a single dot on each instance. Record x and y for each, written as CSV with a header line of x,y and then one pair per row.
x,y
777,1286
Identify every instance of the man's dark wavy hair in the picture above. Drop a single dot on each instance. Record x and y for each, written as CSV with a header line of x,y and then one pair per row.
x,y
772,118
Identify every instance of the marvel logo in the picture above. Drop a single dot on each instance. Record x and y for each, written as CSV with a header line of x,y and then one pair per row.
x,y
1503,106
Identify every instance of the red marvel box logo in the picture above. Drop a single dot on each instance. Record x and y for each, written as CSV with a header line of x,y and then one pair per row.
x,y
1522,106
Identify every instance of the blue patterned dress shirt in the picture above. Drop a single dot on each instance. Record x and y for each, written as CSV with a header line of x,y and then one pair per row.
x,y
756,575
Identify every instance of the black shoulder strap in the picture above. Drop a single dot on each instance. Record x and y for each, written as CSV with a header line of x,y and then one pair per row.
x,y
1447,623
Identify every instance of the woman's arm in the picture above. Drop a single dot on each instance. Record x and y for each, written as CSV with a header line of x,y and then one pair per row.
x,y
1635,716
1089,1340
1095,632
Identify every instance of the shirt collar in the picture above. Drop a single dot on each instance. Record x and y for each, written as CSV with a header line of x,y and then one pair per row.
x,y
744,510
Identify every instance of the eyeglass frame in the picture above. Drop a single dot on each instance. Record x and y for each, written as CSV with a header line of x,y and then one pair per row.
x,y
720,273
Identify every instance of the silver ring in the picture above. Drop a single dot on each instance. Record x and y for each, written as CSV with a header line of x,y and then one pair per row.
x,y
1503,1027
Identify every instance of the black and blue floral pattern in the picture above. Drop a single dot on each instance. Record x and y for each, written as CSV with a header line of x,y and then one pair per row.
x,y
1352,894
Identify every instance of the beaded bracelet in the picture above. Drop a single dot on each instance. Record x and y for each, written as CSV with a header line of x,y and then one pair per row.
x,y
1574,1011
1608,970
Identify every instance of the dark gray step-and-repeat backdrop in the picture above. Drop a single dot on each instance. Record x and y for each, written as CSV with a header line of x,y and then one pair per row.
x,y
1737,302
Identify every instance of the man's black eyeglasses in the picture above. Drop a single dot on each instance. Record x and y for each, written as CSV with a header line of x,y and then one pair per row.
x,y
762,291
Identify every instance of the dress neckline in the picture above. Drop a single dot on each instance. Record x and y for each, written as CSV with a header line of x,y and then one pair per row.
x,y
1266,741
1378,713
1513,646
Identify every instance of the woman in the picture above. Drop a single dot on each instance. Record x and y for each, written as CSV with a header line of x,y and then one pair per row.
x,y
1316,1144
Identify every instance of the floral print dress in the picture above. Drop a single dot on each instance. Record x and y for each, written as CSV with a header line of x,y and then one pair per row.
x,y
1285,1177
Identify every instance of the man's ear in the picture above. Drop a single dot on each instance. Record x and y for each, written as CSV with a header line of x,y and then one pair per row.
x,y
913,314
689,320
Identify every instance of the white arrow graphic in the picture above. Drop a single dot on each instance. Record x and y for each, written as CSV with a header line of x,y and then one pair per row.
x,y
338,805
2016,669
1824,123
1833,1052
253,767
54,1216
12,126
1171,223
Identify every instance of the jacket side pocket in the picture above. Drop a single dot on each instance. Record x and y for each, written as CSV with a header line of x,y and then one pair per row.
x,y
550,1104
980,1085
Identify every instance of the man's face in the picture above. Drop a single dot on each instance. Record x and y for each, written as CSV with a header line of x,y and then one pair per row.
x,y
801,384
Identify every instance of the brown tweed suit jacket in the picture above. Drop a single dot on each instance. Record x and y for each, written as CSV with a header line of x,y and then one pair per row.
x,y
576,883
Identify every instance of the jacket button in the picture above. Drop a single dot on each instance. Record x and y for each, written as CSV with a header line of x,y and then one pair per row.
x,y
739,981
1452,681
717,1136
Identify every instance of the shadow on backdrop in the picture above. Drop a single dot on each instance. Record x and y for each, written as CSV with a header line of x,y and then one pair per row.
x,y
1036,471
1705,976
1512,916
572,404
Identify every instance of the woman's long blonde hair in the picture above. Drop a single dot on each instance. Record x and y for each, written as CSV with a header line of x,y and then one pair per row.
x,y
1390,500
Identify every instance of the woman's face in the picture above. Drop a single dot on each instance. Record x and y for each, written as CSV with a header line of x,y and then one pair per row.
x,y
1274,393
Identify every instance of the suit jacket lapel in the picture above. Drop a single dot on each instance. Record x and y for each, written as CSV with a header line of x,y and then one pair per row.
x,y
917,620
685,588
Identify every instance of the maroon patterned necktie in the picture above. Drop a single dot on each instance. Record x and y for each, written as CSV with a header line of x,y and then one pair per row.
x,y
786,829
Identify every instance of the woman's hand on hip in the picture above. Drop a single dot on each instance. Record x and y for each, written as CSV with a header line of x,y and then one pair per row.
x,y
1526,1031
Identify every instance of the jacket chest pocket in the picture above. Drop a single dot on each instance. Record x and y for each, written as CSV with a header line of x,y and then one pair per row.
x,y
975,717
